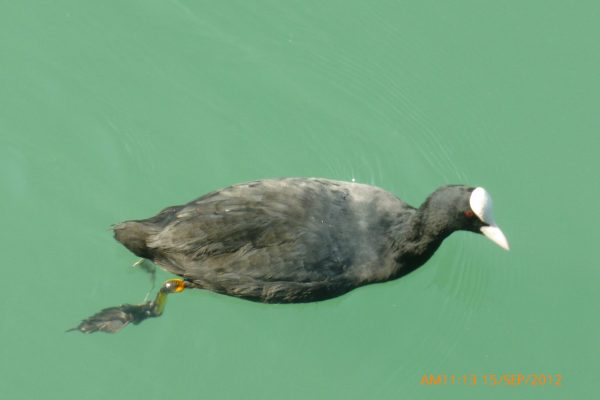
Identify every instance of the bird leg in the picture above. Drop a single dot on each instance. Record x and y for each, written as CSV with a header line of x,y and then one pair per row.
x,y
113,319
150,268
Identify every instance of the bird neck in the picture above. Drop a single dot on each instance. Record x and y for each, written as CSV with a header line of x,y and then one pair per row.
x,y
421,237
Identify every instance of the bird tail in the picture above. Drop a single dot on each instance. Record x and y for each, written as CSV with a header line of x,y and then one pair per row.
x,y
134,235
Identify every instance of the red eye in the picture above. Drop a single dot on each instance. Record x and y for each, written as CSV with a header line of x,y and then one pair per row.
x,y
469,214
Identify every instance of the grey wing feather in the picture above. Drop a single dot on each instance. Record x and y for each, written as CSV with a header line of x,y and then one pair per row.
x,y
254,230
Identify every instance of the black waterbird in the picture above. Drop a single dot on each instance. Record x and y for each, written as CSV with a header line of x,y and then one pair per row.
x,y
293,240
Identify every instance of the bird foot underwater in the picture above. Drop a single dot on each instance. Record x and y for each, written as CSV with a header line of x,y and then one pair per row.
x,y
113,319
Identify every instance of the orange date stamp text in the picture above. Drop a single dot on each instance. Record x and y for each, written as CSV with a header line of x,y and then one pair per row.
x,y
514,379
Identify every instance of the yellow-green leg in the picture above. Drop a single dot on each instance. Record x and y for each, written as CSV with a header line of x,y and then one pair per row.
x,y
170,286
113,319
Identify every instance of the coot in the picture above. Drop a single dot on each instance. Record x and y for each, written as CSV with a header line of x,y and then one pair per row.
x,y
293,240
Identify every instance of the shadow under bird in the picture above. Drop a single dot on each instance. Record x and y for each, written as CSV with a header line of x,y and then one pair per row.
x,y
293,240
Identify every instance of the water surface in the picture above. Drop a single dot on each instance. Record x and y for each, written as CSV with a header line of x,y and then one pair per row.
x,y
113,110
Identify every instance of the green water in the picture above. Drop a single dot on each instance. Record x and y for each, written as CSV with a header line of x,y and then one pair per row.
x,y
113,110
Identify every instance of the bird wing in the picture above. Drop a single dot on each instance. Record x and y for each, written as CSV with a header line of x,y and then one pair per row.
x,y
268,230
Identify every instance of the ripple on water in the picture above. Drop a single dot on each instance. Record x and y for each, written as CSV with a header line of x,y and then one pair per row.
x,y
408,153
